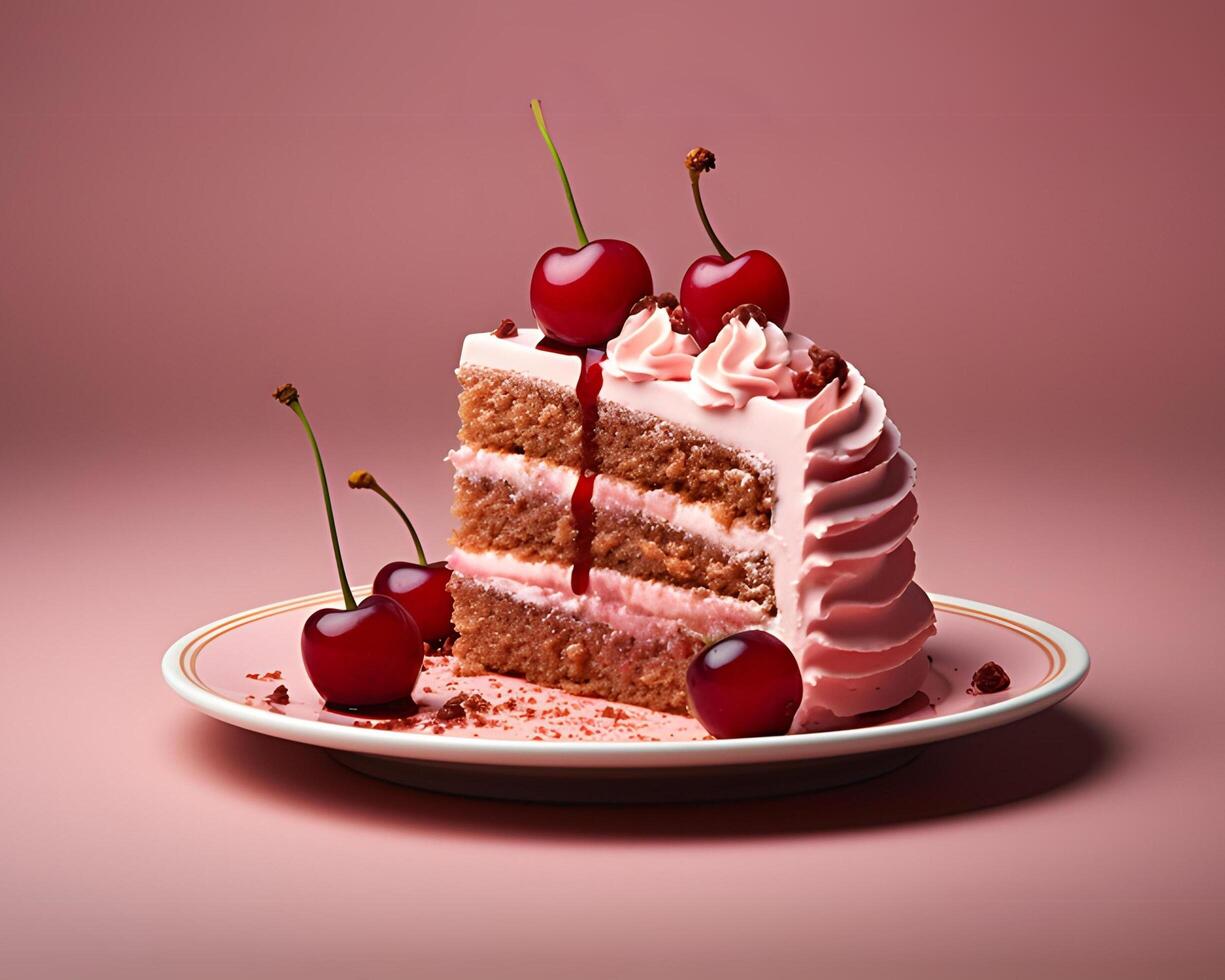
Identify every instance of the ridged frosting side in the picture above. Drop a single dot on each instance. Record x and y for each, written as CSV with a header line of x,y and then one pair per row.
x,y
863,619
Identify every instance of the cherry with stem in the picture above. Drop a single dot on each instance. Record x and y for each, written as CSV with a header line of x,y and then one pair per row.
x,y
716,284
581,297
369,653
419,587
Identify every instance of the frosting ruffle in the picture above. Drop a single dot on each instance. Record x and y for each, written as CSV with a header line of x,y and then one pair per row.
x,y
863,618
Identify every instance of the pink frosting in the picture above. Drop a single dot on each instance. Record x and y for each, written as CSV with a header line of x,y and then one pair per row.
x,y
863,618
648,349
747,360
635,605
848,606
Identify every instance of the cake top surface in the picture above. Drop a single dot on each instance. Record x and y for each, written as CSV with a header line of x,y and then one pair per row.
x,y
751,376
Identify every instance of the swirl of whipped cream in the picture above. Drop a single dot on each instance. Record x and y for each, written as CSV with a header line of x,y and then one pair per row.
x,y
747,360
648,349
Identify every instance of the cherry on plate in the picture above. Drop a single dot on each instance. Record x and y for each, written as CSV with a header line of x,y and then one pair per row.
x,y
745,685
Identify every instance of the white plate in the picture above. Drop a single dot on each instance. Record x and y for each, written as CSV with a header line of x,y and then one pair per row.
x,y
585,756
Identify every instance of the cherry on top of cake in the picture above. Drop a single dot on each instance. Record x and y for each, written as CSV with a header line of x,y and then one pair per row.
x,y
582,296
715,284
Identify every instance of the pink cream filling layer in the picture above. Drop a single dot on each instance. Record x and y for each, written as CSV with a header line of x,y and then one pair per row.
x,y
545,479
632,605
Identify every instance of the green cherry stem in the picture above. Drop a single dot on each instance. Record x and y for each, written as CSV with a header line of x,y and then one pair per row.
x,y
538,112
364,480
697,162
288,395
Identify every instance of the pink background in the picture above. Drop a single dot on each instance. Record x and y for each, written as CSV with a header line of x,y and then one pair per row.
x,y
1010,215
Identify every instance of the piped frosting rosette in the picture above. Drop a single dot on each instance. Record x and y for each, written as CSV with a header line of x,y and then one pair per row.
x,y
648,349
747,360
864,619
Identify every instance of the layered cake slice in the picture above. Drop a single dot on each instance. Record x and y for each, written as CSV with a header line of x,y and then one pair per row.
x,y
617,513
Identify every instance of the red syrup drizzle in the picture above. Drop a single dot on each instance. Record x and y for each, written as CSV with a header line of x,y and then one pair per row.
x,y
587,390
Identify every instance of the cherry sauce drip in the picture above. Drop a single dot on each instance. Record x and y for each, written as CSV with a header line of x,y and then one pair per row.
x,y
587,391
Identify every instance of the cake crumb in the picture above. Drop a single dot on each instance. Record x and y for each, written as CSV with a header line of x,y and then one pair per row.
x,y
452,710
278,696
272,675
506,329
990,678
746,312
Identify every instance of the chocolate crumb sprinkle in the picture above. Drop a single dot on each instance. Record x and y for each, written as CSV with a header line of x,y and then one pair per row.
x,y
452,710
990,678
278,696
827,366
746,312
506,329
667,300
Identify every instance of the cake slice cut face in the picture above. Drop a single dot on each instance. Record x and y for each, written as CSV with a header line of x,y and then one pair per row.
x,y
612,522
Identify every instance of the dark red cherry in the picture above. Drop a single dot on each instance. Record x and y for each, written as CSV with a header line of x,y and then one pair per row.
x,y
581,297
717,284
364,656
421,591
744,685
713,286
419,587
370,652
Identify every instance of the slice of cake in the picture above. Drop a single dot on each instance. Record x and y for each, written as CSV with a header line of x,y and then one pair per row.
x,y
618,513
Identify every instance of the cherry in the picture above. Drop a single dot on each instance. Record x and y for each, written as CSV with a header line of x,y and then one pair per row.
x,y
715,284
744,685
712,287
361,655
582,296
419,587
421,591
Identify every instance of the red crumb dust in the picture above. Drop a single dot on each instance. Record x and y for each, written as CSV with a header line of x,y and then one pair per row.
x,y
491,706
272,675
990,678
